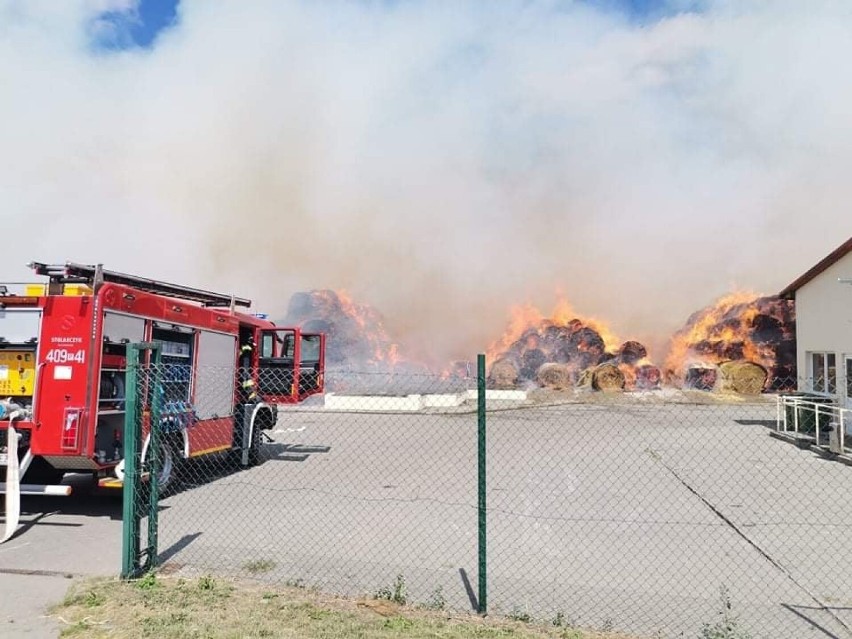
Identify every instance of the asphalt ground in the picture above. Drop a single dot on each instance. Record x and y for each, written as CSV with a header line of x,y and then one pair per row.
x,y
628,516
60,539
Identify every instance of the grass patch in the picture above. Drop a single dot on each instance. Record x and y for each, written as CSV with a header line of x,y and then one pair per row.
x,y
728,624
259,566
174,608
396,593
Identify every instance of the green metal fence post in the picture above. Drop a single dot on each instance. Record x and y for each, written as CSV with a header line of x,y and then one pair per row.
x,y
156,458
481,456
132,509
130,514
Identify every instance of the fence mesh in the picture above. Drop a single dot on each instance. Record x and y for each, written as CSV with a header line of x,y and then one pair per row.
x,y
661,513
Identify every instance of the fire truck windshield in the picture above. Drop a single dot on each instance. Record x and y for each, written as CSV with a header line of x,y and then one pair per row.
x,y
19,326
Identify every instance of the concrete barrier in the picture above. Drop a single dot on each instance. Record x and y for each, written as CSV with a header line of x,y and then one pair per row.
x,y
414,403
374,403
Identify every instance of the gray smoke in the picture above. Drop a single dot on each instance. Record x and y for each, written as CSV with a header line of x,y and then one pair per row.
x,y
439,160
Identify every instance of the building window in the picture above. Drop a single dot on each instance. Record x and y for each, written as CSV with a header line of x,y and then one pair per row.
x,y
823,373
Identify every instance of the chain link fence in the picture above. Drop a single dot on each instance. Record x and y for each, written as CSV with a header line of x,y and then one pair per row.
x,y
659,513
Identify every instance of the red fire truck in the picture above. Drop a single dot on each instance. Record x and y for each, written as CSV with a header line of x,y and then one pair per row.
x,y
63,359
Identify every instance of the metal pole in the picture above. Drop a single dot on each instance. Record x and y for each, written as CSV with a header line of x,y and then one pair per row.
x,y
481,451
796,416
816,418
130,511
155,455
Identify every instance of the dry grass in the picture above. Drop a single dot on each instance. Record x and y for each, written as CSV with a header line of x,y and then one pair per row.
x,y
172,608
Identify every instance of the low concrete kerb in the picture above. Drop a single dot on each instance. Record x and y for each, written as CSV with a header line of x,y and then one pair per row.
x,y
417,402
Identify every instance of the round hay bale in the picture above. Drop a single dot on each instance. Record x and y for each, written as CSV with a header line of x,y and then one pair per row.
x,y
603,377
742,376
703,377
504,374
648,377
608,378
588,340
531,361
555,376
631,352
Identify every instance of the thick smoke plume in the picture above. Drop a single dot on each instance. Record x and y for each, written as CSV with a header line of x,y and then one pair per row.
x,y
442,161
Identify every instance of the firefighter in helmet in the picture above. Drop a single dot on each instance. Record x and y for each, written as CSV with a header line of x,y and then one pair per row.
x,y
246,352
248,391
248,387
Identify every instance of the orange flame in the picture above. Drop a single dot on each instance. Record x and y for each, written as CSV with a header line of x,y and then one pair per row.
x,y
353,310
525,317
708,332
563,314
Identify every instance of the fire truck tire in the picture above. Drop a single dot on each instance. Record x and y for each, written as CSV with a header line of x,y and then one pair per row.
x,y
254,456
171,472
265,420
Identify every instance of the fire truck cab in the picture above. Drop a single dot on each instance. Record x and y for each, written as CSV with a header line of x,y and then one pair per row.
x,y
63,366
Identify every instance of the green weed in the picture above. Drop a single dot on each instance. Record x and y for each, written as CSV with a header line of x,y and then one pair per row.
x,y
728,626
206,582
93,599
397,593
517,615
147,582
259,565
437,601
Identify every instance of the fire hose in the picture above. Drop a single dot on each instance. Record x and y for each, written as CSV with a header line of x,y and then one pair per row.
x,y
13,484
12,411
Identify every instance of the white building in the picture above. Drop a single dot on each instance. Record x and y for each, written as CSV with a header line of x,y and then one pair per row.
x,y
823,299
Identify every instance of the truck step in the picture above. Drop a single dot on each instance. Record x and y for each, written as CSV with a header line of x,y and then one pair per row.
x,y
55,490
115,482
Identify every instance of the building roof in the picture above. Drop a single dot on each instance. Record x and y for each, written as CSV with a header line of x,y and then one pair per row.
x,y
838,253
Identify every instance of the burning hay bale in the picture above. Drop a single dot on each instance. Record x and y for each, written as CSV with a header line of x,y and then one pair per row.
x,y
355,332
631,352
701,377
741,376
554,376
531,361
504,374
555,352
603,377
648,377
360,355
760,330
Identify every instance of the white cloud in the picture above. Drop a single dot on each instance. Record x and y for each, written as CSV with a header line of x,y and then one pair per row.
x,y
442,160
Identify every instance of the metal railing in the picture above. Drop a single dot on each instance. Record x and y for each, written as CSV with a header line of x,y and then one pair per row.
x,y
803,416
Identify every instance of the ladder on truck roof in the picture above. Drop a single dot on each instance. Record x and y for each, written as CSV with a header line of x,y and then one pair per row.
x,y
72,273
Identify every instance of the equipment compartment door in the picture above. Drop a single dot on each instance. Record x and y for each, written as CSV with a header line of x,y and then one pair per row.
x,y
311,357
63,379
279,350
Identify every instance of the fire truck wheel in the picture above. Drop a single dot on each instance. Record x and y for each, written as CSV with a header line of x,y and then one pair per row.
x,y
169,479
254,456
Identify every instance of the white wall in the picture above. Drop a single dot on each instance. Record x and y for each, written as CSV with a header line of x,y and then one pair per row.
x,y
824,318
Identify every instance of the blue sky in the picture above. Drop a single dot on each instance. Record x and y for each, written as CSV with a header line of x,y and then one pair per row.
x,y
153,16
139,29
